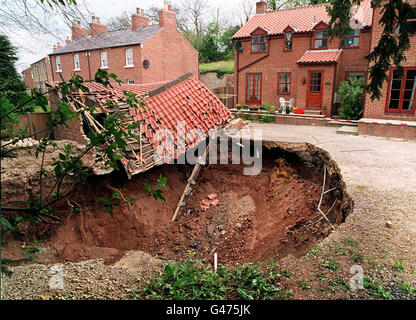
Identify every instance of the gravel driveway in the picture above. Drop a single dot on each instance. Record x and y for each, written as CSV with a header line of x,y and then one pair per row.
x,y
377,162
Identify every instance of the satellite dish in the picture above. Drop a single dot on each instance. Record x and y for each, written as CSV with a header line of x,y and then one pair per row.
x,y
238,46
146,64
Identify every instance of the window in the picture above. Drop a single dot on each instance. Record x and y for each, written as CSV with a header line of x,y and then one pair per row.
x,y
77,66
411,23
351,40
283,83
253,88
401,98
129,58
288,41
354,75
130,81
258,43
104,62
58,64
321,39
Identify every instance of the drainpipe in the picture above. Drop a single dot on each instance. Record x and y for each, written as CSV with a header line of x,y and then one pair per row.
x,y
236,75
333,90
53,78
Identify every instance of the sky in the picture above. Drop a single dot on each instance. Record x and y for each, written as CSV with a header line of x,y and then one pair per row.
x,y
32,46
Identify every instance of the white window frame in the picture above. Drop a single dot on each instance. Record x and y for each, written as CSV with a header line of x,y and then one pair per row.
x,y
130,81
104,54
77,64
58,64
129,58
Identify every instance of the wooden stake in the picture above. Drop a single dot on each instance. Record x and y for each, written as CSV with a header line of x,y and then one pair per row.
x,y
215,261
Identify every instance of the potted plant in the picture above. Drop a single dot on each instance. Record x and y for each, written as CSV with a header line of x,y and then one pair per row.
x,y
238,106
287,109
280,110
245,107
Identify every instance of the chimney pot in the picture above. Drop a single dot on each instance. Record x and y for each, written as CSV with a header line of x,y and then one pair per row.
x,y
138,10
67,40
170,7
142,12
165,5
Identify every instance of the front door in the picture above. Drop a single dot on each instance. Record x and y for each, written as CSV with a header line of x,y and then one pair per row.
x,y
314,92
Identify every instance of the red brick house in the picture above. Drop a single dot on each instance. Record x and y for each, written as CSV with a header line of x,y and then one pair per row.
x,y
287,53
394,114
143,54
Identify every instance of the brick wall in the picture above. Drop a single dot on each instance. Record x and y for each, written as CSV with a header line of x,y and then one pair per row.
x,y
27,78
170,56
35,122
277,60
377,109
395,131
72,131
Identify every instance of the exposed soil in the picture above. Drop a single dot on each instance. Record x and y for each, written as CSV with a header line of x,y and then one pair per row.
x,y
257,217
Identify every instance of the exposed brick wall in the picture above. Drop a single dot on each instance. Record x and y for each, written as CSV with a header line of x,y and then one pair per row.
x,y
73,129
377,109
395,131
27,78
169,53
277,60
35,122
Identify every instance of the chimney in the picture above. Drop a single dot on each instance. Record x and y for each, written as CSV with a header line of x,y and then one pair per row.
x,y
139,20
261,7
78,31
67,40
96,27
167,17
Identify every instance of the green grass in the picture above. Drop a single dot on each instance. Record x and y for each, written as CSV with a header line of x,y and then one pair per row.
x,y
221,67
39,109
192,279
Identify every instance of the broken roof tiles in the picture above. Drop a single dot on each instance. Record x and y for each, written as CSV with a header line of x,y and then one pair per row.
x,y
179,106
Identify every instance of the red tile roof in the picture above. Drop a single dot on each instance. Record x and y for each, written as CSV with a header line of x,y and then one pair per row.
x,y
301,19
168,105
320,56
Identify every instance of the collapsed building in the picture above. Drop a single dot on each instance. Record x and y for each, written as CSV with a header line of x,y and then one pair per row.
x,y
178,115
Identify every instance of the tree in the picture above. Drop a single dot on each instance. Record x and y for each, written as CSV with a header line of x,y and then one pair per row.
x,y
12,88
390,49
351,95
121,22
194,11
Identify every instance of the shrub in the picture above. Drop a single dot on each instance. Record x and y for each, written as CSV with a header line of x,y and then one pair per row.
x,y
351,95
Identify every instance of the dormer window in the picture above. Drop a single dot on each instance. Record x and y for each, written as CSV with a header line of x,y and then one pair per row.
x,y
352,38
288,41
321,39
258,43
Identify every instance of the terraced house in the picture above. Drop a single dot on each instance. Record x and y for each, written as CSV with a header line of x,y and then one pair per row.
x,y
287,53
143,54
